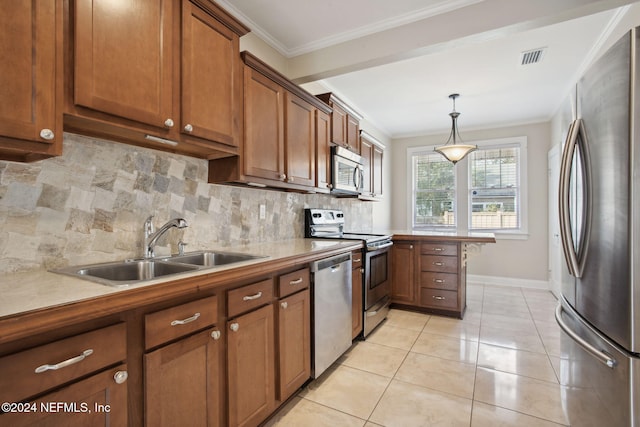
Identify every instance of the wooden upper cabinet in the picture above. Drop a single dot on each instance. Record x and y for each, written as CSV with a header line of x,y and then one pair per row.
x,y
149,69
345,123
353,134
300,146
211,78
372,153
323,152
264,120
339,125
366,151
376,171
123,57
279,148
31,80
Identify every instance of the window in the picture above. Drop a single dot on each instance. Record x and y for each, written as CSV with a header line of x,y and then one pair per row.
x,y
434,190
493,188
484,192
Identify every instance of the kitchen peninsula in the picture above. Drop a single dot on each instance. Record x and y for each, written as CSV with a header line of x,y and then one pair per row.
x,y
429,270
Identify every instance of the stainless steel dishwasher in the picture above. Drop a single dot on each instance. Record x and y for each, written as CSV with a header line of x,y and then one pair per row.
x,y
332,310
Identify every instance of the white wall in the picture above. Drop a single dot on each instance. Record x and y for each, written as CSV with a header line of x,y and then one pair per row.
x,y
522,260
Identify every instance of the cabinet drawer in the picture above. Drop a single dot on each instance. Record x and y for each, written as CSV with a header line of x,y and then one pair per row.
x,y
249,297
293,282
449,249
441,264
439,298
356,259
448,281
61,361
175,322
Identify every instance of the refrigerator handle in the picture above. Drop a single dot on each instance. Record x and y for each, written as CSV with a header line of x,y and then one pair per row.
x,y
601,355
563,204
575,263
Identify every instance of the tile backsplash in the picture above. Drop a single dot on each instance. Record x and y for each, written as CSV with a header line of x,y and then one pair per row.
x,y
89,205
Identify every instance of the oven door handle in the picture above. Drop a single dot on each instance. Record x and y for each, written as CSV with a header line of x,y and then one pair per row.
x,y
377,248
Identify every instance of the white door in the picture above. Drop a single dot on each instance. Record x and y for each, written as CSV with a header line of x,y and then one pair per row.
x,y
555,250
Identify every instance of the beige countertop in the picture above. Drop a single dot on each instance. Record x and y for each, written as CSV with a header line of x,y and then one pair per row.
x,y
468,237
37,290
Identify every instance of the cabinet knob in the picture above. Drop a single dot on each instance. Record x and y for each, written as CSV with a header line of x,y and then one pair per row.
x,y
188,128
283,176
362,270
234,327
168,123
330,186
120,377
216,335
47,134
411,247
284,304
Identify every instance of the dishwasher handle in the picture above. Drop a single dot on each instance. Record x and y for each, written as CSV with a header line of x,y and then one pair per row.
x,y
332,262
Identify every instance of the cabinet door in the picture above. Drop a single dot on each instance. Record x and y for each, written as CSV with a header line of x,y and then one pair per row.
x,y
366,151
338,125
100,400
264,139
300,147
251,367
181,382
30,79
294,343
211,78
403,284
323,150
376,171
123,55
353,134
357,311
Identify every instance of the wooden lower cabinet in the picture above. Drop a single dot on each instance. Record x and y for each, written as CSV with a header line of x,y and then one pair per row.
x,y
251,367
357,295
182,382
294,343
99,400
429,276
403,282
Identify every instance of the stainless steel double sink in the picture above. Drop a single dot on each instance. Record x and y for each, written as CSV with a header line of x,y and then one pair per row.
x,y
134,271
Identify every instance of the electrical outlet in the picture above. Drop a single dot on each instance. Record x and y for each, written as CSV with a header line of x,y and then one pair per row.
x,y
263,211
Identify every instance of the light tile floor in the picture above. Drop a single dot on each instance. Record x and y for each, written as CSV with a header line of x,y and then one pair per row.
x,y
497,367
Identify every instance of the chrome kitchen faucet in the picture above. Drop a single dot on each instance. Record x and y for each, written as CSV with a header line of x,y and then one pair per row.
x,y
151,236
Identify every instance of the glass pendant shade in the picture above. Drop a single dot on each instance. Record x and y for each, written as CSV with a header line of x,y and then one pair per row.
x,y
452,150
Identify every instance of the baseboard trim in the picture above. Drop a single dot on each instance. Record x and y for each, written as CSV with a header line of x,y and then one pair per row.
x,y
509,282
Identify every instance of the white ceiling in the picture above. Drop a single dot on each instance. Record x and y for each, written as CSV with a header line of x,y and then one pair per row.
x,y
397,61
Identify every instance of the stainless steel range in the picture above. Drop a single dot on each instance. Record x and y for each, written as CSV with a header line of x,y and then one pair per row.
x,y
376,274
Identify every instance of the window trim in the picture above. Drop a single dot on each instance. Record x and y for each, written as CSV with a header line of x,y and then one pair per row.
x,y
462,186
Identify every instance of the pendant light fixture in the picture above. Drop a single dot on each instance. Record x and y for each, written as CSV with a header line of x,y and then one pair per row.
x,y
455,152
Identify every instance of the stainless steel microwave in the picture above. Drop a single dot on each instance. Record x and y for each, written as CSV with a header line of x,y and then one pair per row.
x,y
347,173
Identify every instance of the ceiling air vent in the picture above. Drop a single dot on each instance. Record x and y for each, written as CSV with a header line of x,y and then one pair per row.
x,y
532,56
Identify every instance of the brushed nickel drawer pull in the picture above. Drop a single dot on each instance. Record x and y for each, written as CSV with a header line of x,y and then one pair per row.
x,y
185,321
438,297
65,363
252,297
438,249
357,260
439,264
296,282
438,280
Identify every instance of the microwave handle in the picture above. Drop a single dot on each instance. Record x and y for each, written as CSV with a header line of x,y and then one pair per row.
x,y
358,177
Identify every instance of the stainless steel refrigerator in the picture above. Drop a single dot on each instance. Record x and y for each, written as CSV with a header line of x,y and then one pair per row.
x,y
599,310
